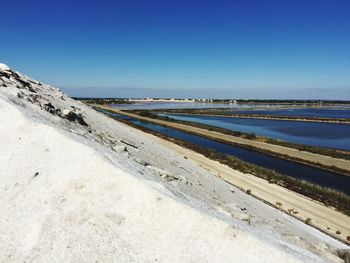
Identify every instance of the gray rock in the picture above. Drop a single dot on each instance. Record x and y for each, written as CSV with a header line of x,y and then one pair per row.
x,y
50,108
142,162
74,117
119,148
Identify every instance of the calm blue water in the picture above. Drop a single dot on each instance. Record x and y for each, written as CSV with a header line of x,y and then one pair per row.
x,y
185,105
310,133
308,112
171,105
243,108
312,174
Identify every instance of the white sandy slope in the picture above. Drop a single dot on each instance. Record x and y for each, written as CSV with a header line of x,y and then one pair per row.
x,y
66,197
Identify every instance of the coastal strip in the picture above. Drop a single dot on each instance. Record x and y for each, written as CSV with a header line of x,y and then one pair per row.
x,y
277,150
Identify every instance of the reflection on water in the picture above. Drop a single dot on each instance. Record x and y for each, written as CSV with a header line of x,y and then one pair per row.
x,y
296,170
310,133
335,113
188,105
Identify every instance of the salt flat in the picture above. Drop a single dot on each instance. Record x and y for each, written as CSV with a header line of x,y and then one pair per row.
x,y
77,186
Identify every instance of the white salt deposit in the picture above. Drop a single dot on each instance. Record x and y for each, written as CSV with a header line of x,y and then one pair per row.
x,y
4,67
76,193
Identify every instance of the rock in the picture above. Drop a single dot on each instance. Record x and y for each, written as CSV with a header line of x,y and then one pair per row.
x,y
65,112
31,89
50,108
58,112
170,178
42,101
119,148
72,116
142,162
166,175
26,84
33,81
81,120
29,99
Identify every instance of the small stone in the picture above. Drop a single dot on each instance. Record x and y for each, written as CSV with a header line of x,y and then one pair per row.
x,y
142,162
119,148
42,101
65,112
81,120
171,178
58,112
50,108
72,116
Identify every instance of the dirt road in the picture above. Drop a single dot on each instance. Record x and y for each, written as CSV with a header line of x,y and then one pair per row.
x,y
324,218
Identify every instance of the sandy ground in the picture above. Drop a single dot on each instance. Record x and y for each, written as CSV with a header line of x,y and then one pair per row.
x,y
105,192
324,218
302,155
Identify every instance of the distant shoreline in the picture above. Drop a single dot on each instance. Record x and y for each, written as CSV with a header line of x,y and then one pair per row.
x,y
232,102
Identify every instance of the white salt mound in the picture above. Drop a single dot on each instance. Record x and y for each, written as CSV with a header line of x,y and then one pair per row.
x,y
76,186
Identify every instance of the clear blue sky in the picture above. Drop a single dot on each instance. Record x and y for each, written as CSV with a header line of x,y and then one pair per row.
x,y
182,48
